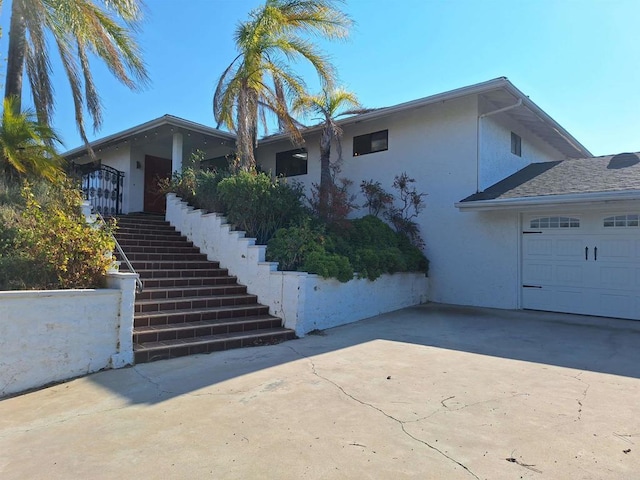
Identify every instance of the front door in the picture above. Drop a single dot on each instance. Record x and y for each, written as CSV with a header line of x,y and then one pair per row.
x,y
155,169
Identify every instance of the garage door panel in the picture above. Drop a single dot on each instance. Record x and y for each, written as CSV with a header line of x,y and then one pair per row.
x,y
618,277
567,300
537,247
624,305
569,248
592,268
615,249
569,275
539,273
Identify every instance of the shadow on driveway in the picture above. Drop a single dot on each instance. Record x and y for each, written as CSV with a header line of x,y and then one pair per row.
x,y
585,343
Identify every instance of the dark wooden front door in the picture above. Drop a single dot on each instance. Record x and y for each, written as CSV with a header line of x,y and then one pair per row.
x,y
155,169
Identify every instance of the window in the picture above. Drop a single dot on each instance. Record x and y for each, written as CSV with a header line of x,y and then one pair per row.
x,y
217,163
631,220
291,163
555,222
516,144
371,142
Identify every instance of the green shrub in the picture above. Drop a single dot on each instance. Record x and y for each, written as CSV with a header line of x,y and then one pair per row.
x,y
308,249
23,273
199,188
328,265
55,235
291,246
260,205
369,247
371,232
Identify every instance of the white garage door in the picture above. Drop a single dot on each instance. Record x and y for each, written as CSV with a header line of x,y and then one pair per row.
x,y
587,264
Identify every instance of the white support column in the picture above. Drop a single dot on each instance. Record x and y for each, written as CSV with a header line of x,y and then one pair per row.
x,y
176,153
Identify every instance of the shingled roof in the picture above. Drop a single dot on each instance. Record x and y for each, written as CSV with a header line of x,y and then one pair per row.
x,y
613,173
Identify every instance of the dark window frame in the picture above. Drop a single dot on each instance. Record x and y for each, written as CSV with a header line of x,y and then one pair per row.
x,y
288,165
516,144
371,143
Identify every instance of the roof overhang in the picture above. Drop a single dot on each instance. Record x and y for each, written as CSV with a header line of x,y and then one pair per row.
x,y
500,92
165,120
529,203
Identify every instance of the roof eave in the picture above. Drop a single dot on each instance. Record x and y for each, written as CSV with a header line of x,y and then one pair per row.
x,y
560,130
145,127
549,200
476,89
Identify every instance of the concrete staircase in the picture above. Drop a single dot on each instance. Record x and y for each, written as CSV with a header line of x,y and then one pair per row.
x,y
189,304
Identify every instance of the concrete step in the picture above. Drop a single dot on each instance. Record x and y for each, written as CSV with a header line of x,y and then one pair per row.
x,y
152,351
174,331
211,272
189,304
166,257
170,282
194,303
160,293
148,319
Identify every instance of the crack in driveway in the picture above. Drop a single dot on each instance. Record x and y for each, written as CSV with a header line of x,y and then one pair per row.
x,y
391,417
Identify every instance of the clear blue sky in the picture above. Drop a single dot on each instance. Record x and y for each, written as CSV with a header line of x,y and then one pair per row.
x,y
578,60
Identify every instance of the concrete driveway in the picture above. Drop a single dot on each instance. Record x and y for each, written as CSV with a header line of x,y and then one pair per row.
x,y
435,391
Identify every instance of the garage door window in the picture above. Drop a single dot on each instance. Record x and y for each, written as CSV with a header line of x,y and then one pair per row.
x,y
555,222
631,220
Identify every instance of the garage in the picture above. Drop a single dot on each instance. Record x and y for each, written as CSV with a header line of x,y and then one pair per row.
x,y
587,264
578,234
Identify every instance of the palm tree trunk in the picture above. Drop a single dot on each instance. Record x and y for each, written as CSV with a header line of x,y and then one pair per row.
x,y
15,60
246,130
325,173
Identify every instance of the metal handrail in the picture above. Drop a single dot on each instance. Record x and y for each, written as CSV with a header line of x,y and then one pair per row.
x,y
139,285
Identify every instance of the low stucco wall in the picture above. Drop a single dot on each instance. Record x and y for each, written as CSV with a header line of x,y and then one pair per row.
x,y
53,335
304,301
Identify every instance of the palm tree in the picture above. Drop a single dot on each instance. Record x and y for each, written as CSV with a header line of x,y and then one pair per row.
x,y
79,29
26,146
329,105
261,80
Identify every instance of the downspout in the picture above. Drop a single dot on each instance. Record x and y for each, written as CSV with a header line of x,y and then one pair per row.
x,y
478,136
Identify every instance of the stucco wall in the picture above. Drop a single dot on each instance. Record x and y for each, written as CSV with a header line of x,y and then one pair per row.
x,y
122,158
496,159
49,336
305,302
474,256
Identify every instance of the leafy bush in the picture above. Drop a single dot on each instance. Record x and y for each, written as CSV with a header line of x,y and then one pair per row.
x,y
46,243
337,205
23,273
328,265
401,217
326,243
378,249
369,247
260,205
198,188
57,236
377,199
291,246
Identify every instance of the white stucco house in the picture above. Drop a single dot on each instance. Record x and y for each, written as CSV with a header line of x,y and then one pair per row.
x,y
519,214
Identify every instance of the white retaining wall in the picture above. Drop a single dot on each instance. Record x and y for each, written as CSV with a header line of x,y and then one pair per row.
x,y
304,301
53,335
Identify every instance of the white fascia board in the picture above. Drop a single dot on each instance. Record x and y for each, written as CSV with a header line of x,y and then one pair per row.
x,y
544,116
549,201
476,89
147,126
